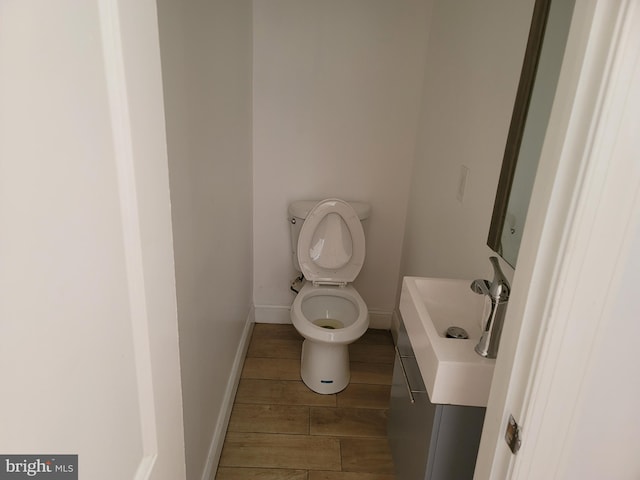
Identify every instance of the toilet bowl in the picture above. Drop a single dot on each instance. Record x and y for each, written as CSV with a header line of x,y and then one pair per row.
x,y
329,312
329,318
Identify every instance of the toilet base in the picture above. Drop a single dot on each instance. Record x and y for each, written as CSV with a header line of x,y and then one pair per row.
x,y
325,367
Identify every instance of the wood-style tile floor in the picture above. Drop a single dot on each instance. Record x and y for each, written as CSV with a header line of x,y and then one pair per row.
x,y
281,430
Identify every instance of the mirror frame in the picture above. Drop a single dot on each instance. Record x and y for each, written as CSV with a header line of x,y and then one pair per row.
x,y
518,121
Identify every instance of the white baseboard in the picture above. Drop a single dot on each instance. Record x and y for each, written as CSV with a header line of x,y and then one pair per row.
x,y
273,314
219,432
378,319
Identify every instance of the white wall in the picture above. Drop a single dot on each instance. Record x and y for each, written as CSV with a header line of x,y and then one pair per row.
x,y
337,89
206,60
477,50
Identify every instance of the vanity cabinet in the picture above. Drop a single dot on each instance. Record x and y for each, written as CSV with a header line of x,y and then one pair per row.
x,y
428,441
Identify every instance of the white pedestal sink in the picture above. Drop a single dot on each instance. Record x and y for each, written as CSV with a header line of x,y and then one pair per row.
x,y
452,371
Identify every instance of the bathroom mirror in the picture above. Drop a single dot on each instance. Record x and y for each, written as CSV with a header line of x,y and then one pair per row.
x,y
534,98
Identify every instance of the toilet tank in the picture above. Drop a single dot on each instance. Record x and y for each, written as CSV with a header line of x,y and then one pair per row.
x,y
299,210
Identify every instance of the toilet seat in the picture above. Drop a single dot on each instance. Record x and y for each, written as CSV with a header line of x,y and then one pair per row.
x,y
331,246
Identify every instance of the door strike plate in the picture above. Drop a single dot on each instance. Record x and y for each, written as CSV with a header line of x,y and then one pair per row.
x,y
512,435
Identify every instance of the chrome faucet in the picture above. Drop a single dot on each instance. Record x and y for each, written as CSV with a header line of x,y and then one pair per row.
x,y
498,292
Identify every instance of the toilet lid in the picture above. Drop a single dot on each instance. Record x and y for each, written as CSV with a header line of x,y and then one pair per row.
x,y
331,243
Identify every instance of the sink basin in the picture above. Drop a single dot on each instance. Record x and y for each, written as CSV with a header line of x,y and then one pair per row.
x,y
452,371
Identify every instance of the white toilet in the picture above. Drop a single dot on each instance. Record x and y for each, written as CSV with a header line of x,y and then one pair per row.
x,y
329,249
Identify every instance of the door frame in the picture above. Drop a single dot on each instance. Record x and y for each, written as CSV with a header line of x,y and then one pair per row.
x,y
131,57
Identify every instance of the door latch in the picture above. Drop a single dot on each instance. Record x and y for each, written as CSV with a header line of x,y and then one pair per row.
x,y
513,435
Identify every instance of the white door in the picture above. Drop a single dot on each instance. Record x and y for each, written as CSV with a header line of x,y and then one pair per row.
x,y
88,332
568,365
